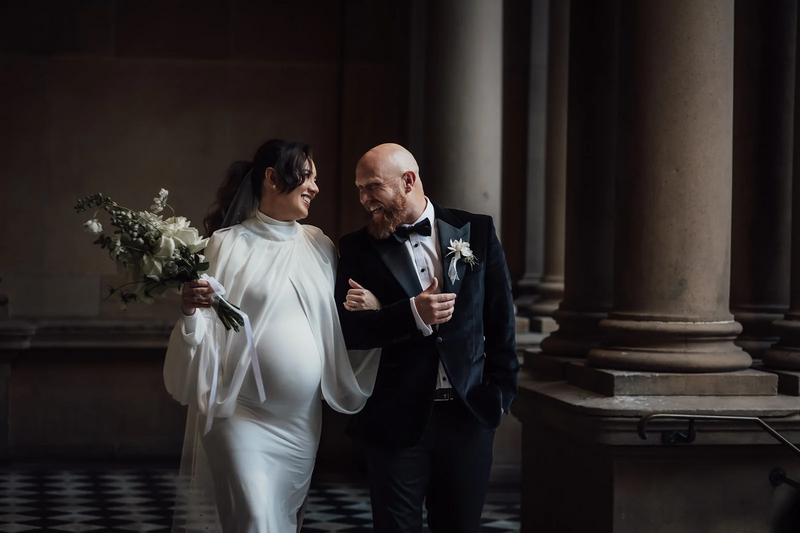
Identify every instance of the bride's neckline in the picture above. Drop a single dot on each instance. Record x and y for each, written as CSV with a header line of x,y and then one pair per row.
x,y
272,229
263,217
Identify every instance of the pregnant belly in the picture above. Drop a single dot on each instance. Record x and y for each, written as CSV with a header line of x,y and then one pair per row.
x,y
290,364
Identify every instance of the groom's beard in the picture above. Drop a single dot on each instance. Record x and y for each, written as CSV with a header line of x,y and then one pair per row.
x,y
383,223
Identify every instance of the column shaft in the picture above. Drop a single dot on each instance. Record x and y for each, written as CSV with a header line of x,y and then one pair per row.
x,y
763,118
785,353
551,287
673,191
591,165
537,120
463,104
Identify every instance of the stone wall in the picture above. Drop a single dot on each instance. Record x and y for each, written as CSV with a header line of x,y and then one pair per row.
x,y
128,97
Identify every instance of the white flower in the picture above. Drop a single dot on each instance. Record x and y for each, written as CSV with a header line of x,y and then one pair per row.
x,y
183,233
152,267
159,201
93,226
165,247
197,245
460,250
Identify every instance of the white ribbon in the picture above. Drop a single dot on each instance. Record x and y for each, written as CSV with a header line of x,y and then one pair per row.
x,y
219,291
452,271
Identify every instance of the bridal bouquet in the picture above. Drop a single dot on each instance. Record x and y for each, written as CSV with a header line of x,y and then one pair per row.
x,y
154,254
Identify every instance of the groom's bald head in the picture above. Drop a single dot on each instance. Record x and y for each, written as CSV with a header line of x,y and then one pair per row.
x,y
388,181
388,159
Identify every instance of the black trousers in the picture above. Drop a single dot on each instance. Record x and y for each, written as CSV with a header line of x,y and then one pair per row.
x,y
449,469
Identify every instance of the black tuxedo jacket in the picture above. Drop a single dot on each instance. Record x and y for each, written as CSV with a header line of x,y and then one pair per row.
x,y
477,345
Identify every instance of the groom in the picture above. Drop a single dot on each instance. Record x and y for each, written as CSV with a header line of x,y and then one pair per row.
x,y
448,366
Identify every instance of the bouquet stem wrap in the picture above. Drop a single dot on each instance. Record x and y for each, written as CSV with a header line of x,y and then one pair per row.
x,y
219,292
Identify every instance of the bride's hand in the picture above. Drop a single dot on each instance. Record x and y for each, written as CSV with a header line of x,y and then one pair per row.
x,y
360,299
195,294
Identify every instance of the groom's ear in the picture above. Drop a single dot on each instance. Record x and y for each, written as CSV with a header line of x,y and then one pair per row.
x,y
409,180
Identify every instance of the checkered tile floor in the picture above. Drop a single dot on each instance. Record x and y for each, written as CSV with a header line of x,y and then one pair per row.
x,y
88,498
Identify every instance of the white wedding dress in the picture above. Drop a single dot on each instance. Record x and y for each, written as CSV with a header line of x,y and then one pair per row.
x,y
260,456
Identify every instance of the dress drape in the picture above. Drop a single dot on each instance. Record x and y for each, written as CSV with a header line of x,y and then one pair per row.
x,y
260,455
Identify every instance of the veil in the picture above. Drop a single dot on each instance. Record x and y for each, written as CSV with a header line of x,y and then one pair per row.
x,y
195,507
244,204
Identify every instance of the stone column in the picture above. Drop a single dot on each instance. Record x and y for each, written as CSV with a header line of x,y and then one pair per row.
x,y
763,119
537,119
785,354
591,165
551,287
463,104
673,192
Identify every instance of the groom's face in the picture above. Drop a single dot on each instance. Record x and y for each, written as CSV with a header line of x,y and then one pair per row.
x,y
385,199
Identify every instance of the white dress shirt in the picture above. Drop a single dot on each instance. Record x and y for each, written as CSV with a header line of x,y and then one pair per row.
x,y
424,252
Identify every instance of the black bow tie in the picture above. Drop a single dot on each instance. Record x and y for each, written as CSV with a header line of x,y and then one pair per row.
x,y
423,228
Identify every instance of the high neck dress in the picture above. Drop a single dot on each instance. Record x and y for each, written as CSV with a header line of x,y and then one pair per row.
x,y
261,455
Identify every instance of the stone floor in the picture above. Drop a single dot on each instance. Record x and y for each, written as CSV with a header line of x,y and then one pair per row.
x,y
124,498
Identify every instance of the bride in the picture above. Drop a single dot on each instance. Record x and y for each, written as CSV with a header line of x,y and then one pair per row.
x,y
258,413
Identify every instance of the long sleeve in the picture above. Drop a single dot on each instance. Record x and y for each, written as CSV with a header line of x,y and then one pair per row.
x,y
363,330
182,360
180,363
348,376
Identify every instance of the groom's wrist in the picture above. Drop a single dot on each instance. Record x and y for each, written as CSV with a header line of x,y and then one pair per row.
x,y
424,328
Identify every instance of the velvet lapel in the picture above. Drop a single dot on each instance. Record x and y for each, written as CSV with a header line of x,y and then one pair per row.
x,y
395,256
450,228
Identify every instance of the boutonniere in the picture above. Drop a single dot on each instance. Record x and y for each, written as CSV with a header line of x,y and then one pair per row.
x,y
460,251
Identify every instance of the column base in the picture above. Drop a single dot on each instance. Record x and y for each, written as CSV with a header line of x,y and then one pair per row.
x,y
586,446
785,353
543,324
788,380
624,383
578,332
551,291
523,302
529,284
684,347
546,367
758,333
755,346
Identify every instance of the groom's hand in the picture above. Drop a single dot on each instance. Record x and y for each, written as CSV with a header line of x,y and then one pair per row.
x,y
435,308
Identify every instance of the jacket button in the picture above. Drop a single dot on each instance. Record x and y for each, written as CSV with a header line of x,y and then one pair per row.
x,y
439,340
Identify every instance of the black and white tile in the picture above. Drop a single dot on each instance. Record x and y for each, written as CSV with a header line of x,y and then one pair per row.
x,y
86,498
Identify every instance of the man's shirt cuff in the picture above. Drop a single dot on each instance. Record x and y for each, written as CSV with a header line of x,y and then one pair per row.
x,y
422,326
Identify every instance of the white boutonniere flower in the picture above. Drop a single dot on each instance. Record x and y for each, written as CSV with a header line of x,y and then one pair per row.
x,y
460,251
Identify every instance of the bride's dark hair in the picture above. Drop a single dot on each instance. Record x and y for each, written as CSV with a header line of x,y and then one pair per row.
x,y
289,159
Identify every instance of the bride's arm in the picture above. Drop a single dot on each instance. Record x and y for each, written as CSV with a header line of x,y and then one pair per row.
x,y
180,362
